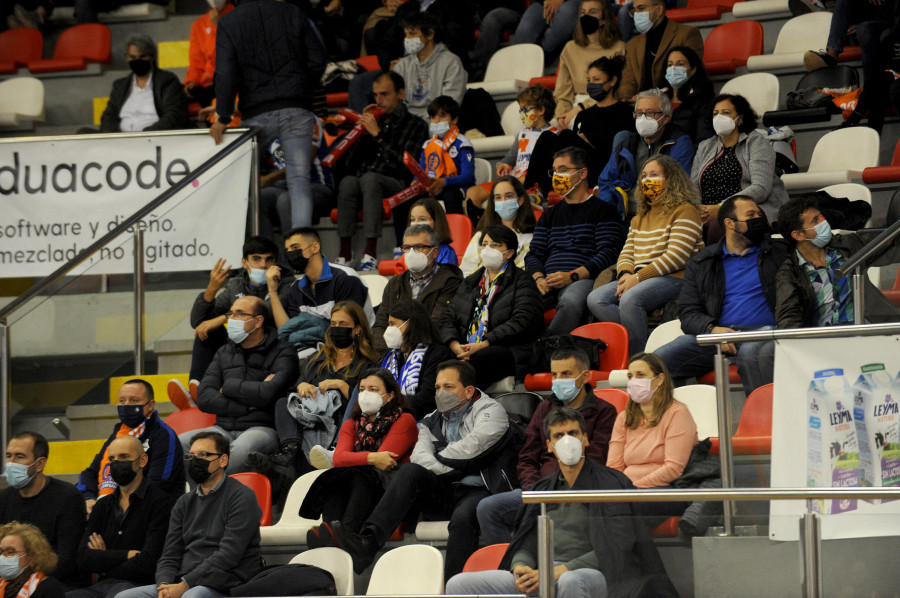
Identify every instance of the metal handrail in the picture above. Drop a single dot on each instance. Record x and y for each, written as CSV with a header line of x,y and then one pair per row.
x,y
801,333
143,212
871,250
693,494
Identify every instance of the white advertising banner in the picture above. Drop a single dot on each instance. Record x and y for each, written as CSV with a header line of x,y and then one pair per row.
x,y
835,424
60,195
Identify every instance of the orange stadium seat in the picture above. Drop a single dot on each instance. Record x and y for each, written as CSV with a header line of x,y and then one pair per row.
x,y
76,48
18,47
190,419
486,559
729,45
616,397
263,489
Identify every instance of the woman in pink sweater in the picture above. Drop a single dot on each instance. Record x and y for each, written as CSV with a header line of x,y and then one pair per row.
x,y
379,434
653,436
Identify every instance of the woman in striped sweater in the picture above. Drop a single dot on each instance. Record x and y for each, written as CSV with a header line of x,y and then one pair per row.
x,y
665,232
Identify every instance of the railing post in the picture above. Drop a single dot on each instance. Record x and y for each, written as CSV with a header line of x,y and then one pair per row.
x,y
5,382
811,540
545,554
138,301
724,412
254,187
859,298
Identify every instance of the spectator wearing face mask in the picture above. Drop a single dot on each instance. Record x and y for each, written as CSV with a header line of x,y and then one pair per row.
x,y
150,99
691,92
198,82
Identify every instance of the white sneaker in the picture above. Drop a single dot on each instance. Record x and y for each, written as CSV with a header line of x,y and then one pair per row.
x,y
321,458
368,264
339,261
398,253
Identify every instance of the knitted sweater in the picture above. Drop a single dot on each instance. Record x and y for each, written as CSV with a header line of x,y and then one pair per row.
x,y
571,79
660,243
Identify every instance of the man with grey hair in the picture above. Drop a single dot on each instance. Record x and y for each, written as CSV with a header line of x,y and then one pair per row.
x,y
653,136
430,283
646,54
150,99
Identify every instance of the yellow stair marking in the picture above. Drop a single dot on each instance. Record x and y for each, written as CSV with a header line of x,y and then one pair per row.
x,y
157,381
71,456
99,107
173,55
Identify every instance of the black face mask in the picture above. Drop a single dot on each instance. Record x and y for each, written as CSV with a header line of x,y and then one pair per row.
x,y
131,415
597,91
589,24
122,472
199,471
756,230
297,260
140,67
341,336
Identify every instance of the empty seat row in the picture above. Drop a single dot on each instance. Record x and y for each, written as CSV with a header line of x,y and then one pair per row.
x,y
76,48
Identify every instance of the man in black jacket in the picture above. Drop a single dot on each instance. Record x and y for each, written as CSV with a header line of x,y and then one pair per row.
x,y
602,549
149,100
127,529
747,259
272,57
244,380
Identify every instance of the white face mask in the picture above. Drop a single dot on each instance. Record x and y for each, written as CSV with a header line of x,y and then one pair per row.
x,y
413,45
416,261
568,450
217,4
369,402
646,126
393,336
492,258
723,125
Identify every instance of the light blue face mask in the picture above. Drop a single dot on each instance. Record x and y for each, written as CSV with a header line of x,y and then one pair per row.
x,y
17,474
823,234
676,76
507,208
236,331
257,276
642,22
9,567
565,389
440,128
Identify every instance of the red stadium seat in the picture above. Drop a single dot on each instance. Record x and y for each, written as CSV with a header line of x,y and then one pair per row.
x,y
729,45
18,47
547,81
616,397
893,294
76,48
485,559
334,215
754,433
701,10
666,529
460,232
710,377
614,358
549,315
190,419
884,174
263,489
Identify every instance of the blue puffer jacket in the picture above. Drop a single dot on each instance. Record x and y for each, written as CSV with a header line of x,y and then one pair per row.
x,y
270,55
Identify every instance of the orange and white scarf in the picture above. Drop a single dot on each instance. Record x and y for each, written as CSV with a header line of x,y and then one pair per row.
x,y
28,587
438,161
105,483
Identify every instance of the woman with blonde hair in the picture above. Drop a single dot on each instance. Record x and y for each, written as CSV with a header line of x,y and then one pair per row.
x,y
346,353
26,560
653,436
662,237
596,35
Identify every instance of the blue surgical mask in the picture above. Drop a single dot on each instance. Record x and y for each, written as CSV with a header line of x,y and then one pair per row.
x,y
507,208
642,22
676,76
131,415
440,128
17,474
9,567
236,331
565,389
258,276
823,234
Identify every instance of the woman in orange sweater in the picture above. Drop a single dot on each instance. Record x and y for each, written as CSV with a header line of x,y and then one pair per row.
x,y
379,434
653,436
198,82
663,235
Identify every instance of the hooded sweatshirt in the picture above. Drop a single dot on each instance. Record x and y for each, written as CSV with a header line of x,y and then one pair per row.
x,y
440,74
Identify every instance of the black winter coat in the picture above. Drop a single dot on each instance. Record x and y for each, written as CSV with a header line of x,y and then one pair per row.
x,y
516,313
693,116
270,55
703,290
168,98
234,386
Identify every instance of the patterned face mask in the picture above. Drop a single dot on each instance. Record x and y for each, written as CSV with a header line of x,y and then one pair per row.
x,y
652,188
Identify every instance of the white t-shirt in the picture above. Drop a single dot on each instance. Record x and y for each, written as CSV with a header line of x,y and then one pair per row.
x,y
139,111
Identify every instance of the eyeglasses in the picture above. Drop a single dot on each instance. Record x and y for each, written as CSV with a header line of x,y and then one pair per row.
x,y
418,247
239,315
525,109
561,171
654,114
493,245
12,552
202,455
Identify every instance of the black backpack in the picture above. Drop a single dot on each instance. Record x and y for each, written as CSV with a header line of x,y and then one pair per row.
x,y
546,346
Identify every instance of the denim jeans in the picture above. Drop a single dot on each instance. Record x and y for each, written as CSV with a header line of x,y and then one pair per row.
x,y
494,23
105,588
840,22
293,127
256,439
533,29
570,304
686,359
497,515
580,583
151,592
359,92
368,191
631,309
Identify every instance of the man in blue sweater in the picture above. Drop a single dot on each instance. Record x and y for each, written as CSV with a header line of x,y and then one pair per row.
x,y
573,242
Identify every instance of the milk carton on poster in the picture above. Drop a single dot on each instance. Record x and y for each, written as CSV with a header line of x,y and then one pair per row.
x,y
877,418
832,456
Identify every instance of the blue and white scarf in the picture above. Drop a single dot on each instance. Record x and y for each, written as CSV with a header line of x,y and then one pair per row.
x,y
406,374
